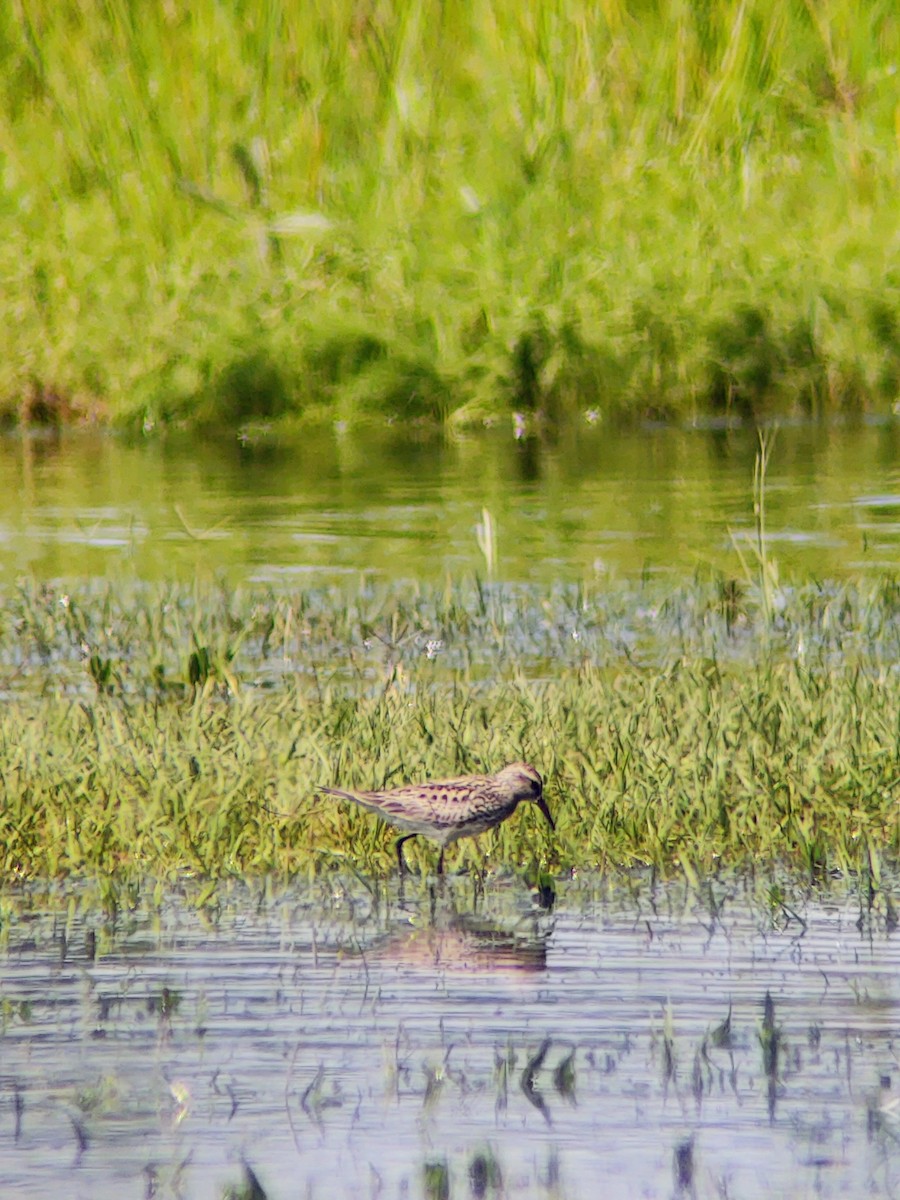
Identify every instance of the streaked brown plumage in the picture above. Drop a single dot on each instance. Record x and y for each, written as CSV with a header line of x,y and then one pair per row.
x,y
448,809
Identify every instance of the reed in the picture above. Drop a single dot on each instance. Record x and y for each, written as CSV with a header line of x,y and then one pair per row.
x,y
279,213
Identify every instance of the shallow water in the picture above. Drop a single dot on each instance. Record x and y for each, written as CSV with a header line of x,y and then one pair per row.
x,y
476,1045
590,504
337,1042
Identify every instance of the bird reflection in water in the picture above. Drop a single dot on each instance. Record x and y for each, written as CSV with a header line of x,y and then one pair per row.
x,y
443,928
454,942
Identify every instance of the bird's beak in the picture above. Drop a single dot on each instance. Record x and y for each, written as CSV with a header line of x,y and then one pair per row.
x,y
542,805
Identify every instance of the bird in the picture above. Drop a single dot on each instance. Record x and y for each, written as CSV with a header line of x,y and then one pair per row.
x,y
448,809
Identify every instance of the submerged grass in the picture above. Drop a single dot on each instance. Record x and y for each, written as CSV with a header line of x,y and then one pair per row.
x,y
787,751
228,214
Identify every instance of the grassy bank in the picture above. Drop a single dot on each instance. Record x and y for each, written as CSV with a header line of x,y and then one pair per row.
x,y
227,214
781,749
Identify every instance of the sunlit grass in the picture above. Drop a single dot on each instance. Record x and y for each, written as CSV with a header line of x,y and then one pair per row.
x,y
441,213
174,749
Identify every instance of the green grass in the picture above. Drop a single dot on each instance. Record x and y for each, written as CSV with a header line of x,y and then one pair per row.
x,y
776,740
257,212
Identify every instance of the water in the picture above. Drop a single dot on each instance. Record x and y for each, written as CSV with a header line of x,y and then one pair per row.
x,y
336,1042
599,542
330,507
340,1043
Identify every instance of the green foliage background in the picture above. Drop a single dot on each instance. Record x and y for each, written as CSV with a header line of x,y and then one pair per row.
x,y
267,211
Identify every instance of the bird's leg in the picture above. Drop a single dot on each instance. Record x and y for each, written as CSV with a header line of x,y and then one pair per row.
x,y
401,862
482,868
440,869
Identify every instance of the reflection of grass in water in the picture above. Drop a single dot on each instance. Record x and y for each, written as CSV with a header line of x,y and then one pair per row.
x,y
683,762
618,1054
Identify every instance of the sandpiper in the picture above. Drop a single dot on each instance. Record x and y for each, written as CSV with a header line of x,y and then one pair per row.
x,y
448,809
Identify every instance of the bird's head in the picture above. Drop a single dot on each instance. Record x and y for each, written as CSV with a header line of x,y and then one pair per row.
x,y
524,783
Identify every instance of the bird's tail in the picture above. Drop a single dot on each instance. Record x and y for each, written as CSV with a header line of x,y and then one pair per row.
x,y
330,791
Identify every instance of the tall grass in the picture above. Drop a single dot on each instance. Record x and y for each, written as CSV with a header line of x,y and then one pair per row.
x,y
258,211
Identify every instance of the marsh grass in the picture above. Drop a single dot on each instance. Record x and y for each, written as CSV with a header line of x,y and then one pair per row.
x,y
763,571
783,747
231,215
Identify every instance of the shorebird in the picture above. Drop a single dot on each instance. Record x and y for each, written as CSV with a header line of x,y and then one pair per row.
x,y
448,809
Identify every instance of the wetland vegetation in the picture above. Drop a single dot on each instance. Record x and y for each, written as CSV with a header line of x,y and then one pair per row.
x,y
747,713
158,732
555,218
224,215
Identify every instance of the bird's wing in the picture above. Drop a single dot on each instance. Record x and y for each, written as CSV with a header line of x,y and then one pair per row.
x,y
399,803
436,804
439,805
